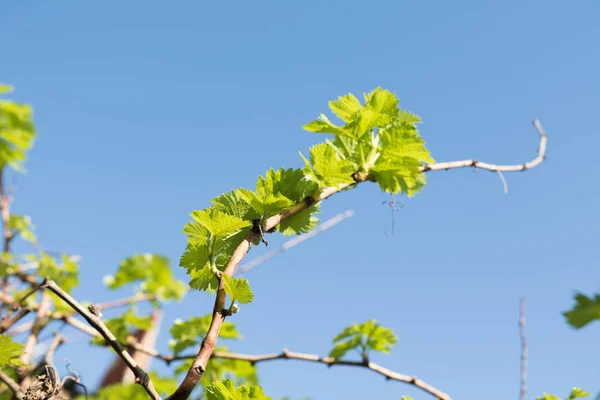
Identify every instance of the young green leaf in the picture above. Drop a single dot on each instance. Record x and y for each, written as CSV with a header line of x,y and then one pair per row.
x,y
585,311
577,393
226,390
21,225
233,203
65,275
402,154
346,107
17,132
189,333
266,205
10,352
238,289
221,225
4,88
326,168
366,336
240,371
154,274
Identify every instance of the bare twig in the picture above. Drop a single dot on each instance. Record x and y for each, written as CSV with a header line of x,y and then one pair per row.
x,y
503,179
493,167
38,325
137,298
12,385
94,320
8,323
296,241
523,388
57,341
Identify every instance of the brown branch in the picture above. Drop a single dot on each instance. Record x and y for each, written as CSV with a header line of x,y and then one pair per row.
x,y
12,385
8,323
209,343
93,318
523,388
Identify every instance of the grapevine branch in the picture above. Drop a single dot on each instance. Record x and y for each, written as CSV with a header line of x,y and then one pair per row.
x,y
92,316
284,355
198,367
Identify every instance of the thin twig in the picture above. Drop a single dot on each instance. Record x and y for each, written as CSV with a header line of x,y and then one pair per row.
x,y
57,341
94,320
8,323
503,179
38,325
296,241
137,298
523,388
493,167
12,385
209,343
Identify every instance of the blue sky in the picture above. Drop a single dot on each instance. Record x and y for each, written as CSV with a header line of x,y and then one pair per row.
x,y
145,111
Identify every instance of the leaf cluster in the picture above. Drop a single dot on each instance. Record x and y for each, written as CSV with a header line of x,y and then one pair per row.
x,y
576,393
365,337
17,131
152,272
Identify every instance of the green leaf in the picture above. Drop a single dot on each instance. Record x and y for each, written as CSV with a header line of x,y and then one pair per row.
x,y
238,289
288,182
340,349
402,155
578,393
366,336
21,225
17,132
66,275
221,225
585,311
406,398
203,279
323,125
233,203
189,333
4,88
118,391
327,169
380,109
10,352
300,223
163,385
226,390
346,107
154,273
266,205
222,368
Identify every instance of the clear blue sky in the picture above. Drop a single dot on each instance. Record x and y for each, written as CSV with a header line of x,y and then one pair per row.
x,y
146,111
